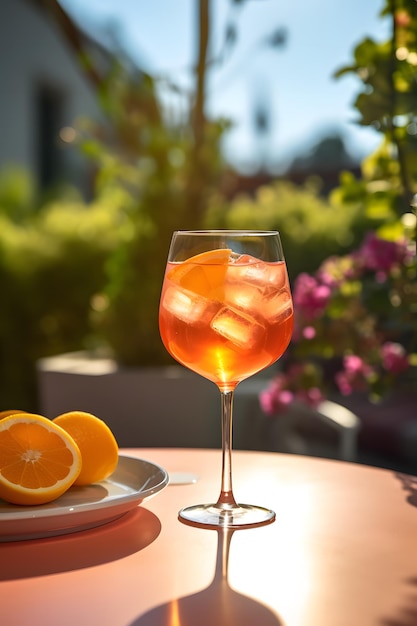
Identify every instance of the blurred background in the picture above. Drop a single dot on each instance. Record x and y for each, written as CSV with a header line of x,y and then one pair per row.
x,y
269,70
266,62
123,121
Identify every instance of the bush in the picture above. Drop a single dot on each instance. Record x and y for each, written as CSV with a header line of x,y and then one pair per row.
x,y
52,263
78,275
311,227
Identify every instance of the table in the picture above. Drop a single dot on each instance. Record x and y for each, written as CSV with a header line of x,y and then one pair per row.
x,y
342,552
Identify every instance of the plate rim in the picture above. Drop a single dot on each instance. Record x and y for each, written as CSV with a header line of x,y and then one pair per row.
x,y
36,512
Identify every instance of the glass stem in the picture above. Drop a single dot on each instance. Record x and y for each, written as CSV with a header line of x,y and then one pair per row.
x,y
226,499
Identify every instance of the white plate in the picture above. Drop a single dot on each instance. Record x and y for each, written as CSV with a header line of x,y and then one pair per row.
x,y
81,508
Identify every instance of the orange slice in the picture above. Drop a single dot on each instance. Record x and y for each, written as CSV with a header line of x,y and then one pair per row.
x,y
97,444
39,461
203,273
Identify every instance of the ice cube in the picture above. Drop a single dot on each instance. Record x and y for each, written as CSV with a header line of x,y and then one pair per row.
x,y
277,305
242,295
260,274
247,283
239,328
188,306
243,283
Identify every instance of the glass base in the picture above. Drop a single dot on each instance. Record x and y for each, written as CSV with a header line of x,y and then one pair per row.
x,y
217,516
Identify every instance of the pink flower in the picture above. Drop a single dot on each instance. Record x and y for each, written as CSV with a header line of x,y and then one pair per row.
x,y
353,364
381,255
344,383
355,375
309,332
275,399
310,296
297,383
327,279
394,358
311,396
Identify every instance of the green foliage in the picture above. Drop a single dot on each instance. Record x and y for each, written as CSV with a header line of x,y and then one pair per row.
x,y
17,193
167,178
51,266
388,103
311,228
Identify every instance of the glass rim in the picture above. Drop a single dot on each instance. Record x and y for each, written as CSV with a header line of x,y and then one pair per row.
x,y
228,231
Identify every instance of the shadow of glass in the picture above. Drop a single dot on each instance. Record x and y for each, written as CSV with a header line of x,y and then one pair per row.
x,y
409,484
130,533
217,605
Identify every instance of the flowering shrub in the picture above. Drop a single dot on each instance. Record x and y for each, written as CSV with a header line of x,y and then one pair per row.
x,y
355,324
356,316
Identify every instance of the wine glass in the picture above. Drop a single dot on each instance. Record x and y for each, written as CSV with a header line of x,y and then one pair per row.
x,y
226,313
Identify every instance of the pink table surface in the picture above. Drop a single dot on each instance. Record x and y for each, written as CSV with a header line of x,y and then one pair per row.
x,y
342,552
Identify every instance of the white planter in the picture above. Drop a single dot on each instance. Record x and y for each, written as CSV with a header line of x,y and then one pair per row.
x,y
149,407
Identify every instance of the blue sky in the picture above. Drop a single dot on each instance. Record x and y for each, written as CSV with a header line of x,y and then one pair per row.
x,y
296,80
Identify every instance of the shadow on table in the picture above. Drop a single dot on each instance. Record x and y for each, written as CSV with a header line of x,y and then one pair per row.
x,y
132,532
217,605
409,484
408,614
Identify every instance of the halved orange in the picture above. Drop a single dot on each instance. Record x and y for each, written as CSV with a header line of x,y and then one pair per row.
x,y
39,461
97,444
203,273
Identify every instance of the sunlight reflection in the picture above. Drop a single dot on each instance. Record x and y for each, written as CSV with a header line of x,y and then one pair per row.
x,y
68,134
174,618
290,587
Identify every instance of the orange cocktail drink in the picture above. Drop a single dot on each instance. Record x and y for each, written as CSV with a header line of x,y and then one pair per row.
x,y
226,316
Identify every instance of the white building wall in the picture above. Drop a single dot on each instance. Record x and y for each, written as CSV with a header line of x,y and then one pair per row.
x,y
32,52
